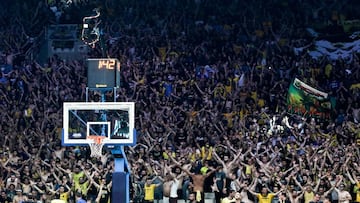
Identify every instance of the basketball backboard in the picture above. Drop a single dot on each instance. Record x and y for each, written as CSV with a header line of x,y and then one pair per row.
x,y
114,120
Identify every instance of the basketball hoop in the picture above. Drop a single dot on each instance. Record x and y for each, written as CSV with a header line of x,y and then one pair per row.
x,y
97,145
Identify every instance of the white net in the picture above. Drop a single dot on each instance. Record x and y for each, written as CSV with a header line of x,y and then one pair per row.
x,y
96,146
96,149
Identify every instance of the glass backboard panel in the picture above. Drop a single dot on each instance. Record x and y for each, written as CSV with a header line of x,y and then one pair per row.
x,y
114,120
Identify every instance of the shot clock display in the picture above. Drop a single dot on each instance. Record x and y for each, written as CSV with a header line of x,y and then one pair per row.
x,y
103,73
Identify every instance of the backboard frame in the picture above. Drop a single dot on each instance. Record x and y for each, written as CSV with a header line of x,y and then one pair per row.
x,y
125,106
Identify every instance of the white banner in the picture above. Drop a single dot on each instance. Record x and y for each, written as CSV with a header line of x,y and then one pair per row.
x,y
335,51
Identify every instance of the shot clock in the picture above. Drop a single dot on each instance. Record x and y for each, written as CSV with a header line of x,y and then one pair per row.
x,y
103,73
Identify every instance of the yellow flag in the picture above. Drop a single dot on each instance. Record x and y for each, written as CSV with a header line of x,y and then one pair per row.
x,y
162,52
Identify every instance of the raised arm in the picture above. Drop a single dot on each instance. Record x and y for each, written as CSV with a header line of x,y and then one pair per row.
x,y
235,159
67,171
210,172
33,185
179,165
251,189
218,159
298,184
101,186
352,178
317,185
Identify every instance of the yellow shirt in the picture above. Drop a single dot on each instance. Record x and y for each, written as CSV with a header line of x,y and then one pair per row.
x,y
355,86
357,192
206,152
84,188
228,89
227,200
77,176
328,69
261,103
219,91
229,119
64,196
253,95
204,170
162,53
265,199
248,169
308,196
149,192
166,156
192,157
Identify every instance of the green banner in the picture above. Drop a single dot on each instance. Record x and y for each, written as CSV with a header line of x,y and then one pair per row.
x,y
307,101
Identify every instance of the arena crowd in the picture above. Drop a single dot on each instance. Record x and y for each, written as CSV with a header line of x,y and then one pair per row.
x,y
209,79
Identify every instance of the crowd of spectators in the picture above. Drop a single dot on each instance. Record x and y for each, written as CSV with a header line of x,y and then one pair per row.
x,y
209,79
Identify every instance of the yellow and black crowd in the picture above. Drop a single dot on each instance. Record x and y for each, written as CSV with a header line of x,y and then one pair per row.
x,y
209,79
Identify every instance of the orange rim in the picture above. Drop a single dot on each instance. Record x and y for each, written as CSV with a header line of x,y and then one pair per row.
x,y
97,138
